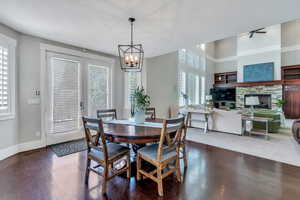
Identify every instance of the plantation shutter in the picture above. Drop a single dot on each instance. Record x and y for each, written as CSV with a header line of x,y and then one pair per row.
x,y
133,81
65,95
4,80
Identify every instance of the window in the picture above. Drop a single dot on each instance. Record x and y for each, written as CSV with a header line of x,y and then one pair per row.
x,y
191,80
99,95
7,77
181,87
132,81
193,88
65,95
202,89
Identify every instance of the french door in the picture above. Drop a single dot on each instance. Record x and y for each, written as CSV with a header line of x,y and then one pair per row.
x,y
75,87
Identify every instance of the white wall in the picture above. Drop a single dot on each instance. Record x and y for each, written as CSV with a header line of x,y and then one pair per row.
x,y
261,48
9,128
290,39
162,82
27,123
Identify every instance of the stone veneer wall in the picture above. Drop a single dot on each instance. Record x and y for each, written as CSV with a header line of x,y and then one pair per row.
x,y
274,90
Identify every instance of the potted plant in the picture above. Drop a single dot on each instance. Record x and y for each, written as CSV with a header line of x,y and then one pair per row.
x,y
186,98
141,101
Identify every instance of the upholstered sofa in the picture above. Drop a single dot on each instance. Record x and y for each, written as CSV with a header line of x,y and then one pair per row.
x,y
229,121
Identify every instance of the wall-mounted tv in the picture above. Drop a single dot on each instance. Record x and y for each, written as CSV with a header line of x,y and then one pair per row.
x,y
223,94
259,72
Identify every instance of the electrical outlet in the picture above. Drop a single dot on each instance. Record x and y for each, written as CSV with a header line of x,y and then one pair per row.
x,y
38,133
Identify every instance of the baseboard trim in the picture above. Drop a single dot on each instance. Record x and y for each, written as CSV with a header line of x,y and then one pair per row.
x,y
12,150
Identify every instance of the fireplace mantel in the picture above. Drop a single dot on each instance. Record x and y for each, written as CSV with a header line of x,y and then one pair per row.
x,y
263,83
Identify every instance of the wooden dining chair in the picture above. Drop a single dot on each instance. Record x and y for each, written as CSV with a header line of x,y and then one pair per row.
x,y
163,155
182,146
150,113
107,114
103,154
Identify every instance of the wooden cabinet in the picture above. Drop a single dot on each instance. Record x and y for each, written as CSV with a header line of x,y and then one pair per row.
x,y
292,102
225,78
291,91
290,72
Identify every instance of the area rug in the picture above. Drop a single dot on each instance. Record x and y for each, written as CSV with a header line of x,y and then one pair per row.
x,y
67,148
280,147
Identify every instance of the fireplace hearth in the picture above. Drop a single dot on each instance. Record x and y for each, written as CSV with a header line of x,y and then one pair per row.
x,y
265,100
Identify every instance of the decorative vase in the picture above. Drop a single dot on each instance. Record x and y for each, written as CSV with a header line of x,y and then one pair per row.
x,y
139,116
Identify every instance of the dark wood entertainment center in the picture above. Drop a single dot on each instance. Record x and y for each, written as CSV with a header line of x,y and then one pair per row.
x,y
225,80
290,80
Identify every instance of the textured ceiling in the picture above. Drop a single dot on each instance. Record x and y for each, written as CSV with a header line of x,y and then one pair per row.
x,y
162,26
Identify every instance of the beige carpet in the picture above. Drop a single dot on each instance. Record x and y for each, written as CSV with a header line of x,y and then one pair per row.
x,y
280,147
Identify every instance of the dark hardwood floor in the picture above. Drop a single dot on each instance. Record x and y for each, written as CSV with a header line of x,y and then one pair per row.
x,y
213,173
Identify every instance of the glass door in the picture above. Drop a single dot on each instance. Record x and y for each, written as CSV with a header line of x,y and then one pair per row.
x,y
63,112
98,87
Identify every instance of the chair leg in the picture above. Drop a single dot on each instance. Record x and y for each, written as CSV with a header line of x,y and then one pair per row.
x,y
128,166
138,167
105,176
160,183
87,171
184,156
178,175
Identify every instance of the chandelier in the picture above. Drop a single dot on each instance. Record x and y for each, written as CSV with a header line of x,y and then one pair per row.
x,y
131,56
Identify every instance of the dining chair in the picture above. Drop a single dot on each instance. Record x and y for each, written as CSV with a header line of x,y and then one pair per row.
x,y
107,113
163,155
150,113
103,154
182,146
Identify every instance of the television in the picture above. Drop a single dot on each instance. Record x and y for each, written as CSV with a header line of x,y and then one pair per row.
x,y
223,94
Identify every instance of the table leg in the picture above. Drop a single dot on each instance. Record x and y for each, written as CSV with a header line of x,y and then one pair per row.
x,y
267,130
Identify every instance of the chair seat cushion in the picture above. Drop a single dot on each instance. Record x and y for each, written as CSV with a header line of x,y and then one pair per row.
x,y
113,150
151,152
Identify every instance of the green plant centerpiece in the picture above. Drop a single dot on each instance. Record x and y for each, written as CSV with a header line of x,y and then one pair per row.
x,y
141,101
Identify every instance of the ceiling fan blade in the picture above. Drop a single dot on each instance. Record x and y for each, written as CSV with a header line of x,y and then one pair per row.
x,y
261,32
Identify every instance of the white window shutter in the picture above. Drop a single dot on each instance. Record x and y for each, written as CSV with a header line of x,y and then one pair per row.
x,y
4,80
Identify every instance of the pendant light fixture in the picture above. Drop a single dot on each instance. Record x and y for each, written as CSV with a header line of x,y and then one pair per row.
x,y
131,56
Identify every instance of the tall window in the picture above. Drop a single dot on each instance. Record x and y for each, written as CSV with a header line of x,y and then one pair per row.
x,y
193,88
191,68
203,89
99,96
132,81
7,60
181,87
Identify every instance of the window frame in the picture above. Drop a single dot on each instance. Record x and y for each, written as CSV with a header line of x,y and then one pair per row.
x,y
11,45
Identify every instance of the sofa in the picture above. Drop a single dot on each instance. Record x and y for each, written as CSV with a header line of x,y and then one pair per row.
x,y
229,121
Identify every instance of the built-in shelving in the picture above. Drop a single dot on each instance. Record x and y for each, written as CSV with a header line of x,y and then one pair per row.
x,y
225,79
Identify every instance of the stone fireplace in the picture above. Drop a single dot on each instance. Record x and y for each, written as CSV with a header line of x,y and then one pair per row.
x,y
265,101
273,91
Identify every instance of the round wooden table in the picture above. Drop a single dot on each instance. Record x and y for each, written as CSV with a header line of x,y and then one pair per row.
x,y
132,134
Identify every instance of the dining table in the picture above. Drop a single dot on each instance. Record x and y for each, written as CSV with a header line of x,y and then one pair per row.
x,y
135,135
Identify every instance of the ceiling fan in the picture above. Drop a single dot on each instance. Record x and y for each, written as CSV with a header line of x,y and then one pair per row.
x,y
259,31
